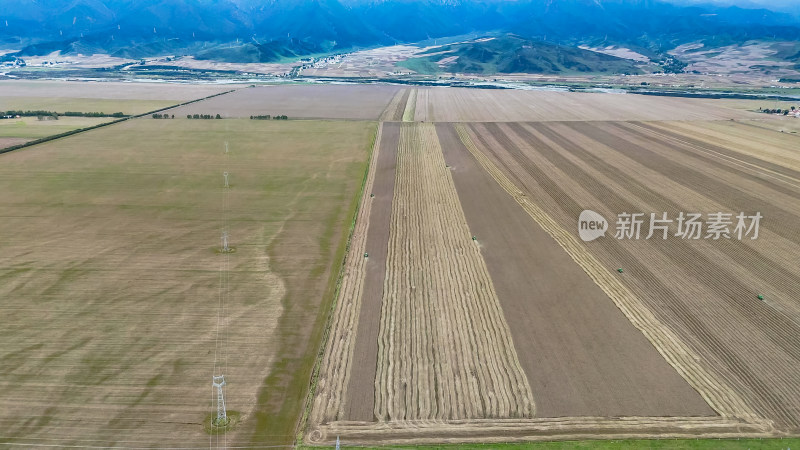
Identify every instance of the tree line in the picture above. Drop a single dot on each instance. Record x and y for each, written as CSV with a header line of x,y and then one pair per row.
x,y
163,116
268,117
785,112
203,116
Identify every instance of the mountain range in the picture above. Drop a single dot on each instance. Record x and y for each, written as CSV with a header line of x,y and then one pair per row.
x,y
275,29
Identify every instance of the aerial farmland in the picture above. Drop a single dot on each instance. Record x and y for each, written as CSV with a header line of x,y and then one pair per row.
x,y
70,106
396,264
477,313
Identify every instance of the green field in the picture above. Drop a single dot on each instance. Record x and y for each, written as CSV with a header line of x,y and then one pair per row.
x,y
64,104
422,66
112,281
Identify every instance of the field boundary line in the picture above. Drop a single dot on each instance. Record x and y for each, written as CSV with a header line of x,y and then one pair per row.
x,y
327,377
680,356
104,124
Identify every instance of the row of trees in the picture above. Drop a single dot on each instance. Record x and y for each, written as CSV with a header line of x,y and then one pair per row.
x,y
38,113
268,117
92,114
163,116
203,116
785,112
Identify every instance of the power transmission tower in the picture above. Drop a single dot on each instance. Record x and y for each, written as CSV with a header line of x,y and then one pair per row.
x,y
225,175
225,247
222,415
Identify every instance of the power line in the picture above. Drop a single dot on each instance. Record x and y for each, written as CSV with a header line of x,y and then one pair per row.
x,y
220,420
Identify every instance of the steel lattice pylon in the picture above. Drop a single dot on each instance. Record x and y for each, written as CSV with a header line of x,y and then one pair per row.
x,y
225,247
222,415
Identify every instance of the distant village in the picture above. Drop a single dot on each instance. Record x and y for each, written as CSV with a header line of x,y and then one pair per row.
x,y
13,63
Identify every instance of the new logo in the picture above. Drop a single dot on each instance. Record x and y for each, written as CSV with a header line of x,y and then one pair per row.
x,y
591,225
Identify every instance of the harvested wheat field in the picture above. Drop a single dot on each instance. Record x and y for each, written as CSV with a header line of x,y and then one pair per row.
x,y
23,129
116,305
496,322
432,362
613,369
361,404
493,105
309,101
410,109
704,291
107,97
51,89
394,110
433,290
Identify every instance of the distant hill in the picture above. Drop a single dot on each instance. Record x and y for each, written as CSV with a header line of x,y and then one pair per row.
x,y
514,54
